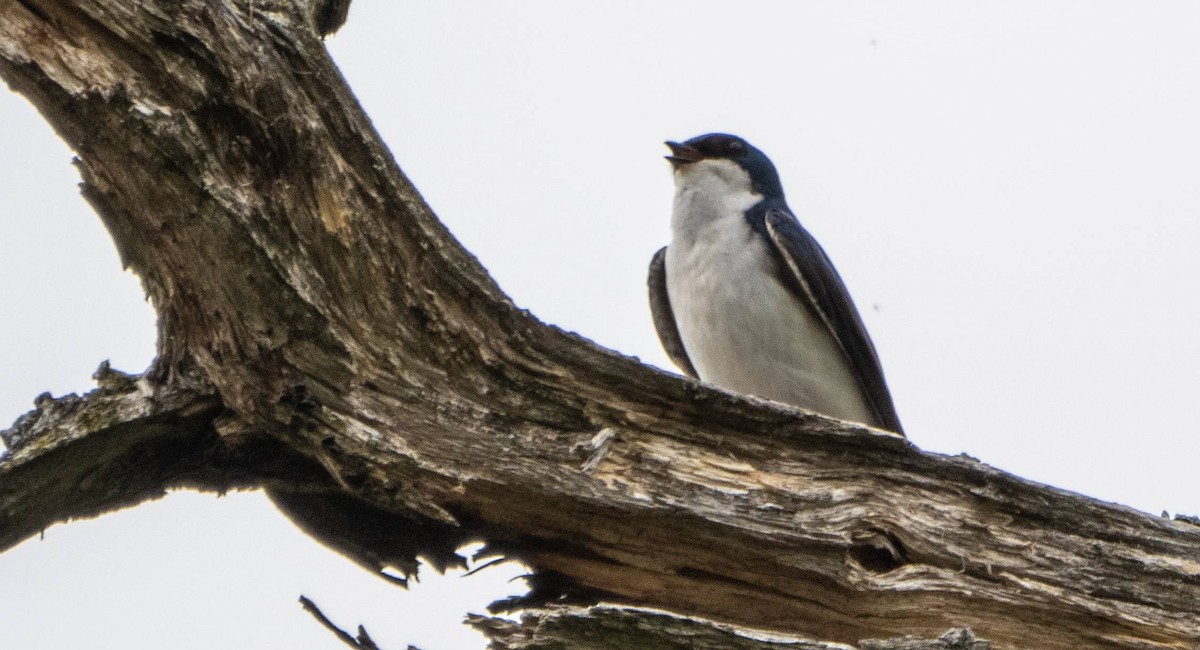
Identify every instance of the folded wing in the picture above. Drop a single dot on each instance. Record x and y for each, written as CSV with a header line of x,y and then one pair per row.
x,y
811,275
664,318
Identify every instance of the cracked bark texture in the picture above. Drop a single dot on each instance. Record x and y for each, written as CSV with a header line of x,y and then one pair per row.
x,y
322,335
618,628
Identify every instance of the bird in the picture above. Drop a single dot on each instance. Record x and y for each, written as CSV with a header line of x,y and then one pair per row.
x,y
745,299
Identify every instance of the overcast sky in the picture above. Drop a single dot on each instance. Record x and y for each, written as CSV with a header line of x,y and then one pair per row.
x,y
1010,191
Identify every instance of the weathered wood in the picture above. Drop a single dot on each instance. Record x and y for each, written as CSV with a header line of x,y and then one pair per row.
x,y
76,457
618,628
298,273
130,440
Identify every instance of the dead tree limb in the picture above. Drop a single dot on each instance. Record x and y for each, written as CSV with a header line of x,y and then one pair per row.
x,y
345,344
618,628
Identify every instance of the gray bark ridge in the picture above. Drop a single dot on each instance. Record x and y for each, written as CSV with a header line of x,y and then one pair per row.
x,y
330,317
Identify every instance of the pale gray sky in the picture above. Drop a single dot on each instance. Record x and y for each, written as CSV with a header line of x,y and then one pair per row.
x,y
1009,190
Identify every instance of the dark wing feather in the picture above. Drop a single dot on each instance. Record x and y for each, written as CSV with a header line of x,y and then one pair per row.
x,y
664,318
820,287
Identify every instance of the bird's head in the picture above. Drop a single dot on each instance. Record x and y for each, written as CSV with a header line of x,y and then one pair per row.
x,y
728,159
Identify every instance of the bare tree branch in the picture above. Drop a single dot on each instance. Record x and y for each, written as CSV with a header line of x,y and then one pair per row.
x,y
616,628
363,640
301,280
77,457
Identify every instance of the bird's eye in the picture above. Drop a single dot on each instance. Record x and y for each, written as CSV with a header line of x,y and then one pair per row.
x,y
736,147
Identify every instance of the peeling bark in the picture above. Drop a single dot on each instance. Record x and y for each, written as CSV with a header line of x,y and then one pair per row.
x,y
321,334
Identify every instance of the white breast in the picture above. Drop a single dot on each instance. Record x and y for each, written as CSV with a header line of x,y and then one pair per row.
x,y
742,328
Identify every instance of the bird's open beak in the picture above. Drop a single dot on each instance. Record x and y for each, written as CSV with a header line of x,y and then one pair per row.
x,y
681,154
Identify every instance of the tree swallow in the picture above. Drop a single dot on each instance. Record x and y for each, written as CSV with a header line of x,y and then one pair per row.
x,y
746,300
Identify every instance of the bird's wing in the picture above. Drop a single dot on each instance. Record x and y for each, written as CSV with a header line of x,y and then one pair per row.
x,y
664,318
813,279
